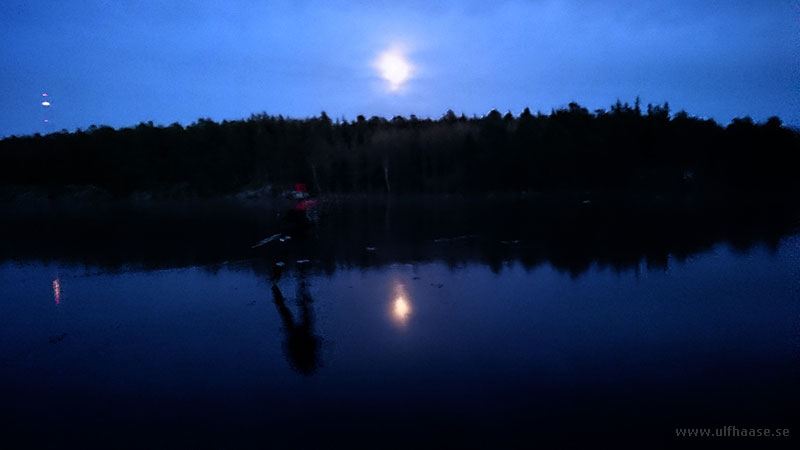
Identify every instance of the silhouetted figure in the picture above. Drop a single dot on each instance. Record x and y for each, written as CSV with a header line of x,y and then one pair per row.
x,y
301,346
303,212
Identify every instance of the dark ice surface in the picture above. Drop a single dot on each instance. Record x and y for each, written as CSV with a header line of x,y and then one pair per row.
x,y
397,332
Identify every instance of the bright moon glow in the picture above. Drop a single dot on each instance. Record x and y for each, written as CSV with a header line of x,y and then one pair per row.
x,y
401,309
394,68
401,306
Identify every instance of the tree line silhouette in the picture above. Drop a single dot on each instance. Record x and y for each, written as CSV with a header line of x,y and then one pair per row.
x,y
571,149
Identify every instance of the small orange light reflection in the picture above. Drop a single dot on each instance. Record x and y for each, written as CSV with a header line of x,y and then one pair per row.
x,y
57,291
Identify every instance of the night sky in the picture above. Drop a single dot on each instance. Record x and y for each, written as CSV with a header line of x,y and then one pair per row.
x,y
123,62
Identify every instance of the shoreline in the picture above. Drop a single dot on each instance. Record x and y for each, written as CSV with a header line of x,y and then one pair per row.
x,y
568,231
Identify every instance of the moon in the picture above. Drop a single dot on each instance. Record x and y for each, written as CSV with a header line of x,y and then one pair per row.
x,y
394,67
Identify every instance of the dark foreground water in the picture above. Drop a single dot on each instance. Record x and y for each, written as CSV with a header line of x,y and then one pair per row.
x,y
466,340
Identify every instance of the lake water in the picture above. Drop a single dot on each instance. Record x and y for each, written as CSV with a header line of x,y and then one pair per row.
x,y
465,339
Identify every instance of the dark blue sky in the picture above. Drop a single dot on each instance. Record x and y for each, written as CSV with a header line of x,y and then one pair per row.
x,y
122,62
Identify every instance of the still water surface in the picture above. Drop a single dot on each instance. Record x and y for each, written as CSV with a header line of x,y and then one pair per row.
x,y
400,352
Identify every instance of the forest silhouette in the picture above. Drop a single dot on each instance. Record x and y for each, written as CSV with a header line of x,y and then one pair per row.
x,y
623,149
